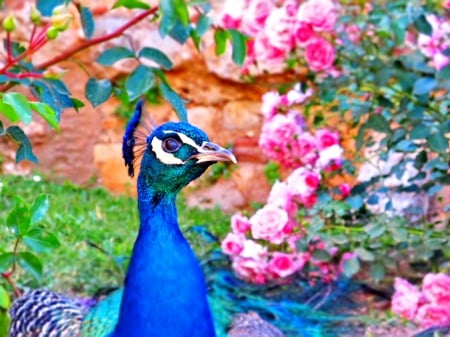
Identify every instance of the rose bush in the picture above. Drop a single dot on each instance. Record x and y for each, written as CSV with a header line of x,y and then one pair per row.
x,y
383,69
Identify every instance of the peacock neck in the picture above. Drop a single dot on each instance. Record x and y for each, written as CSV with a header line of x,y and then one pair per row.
x,y
164,293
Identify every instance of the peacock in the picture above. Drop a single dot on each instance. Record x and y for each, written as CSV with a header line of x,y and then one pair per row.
x,y
164,292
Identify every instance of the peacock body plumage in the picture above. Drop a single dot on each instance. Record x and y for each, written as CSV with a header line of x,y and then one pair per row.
x,y
164,293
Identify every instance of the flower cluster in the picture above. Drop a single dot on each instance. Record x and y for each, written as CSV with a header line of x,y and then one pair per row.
x,y
279,29
434,45
285,138
264,246
429,307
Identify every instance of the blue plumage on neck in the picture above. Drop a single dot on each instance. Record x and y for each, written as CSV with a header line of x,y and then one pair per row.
x,y
164,281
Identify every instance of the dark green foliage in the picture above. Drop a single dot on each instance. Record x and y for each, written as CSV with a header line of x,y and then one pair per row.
x,y
131,4
87,20
95,232
98,91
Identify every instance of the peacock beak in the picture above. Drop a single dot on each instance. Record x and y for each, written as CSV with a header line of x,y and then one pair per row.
x,y
210,152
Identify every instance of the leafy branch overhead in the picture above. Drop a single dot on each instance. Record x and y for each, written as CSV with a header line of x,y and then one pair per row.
x,y
52,95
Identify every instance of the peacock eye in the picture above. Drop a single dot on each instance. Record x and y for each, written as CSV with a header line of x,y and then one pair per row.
x,y
171,145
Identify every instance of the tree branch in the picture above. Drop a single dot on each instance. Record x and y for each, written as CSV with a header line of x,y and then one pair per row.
x,y
86,44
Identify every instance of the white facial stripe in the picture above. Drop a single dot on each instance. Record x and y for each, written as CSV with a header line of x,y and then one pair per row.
x,y
185,139
163,156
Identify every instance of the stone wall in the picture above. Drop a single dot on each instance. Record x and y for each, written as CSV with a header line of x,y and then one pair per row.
x,y
87,149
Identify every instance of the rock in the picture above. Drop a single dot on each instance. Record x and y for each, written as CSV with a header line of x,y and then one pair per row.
x,y
252,325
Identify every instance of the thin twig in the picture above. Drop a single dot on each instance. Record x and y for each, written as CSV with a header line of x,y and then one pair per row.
x,y
86,44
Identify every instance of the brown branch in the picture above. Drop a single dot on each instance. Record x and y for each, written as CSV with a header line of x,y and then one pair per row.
x,y
8,275
97,40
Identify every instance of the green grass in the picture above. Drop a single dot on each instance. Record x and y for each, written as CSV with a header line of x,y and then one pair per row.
x,y
96,231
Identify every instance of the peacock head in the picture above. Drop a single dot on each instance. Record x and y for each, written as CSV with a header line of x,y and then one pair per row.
x,y
172,155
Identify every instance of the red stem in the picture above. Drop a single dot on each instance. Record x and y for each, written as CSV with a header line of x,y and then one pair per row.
x,y
100,39
7,277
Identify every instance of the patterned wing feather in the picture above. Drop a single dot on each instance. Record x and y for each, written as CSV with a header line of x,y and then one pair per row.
x,y
102,318
41,313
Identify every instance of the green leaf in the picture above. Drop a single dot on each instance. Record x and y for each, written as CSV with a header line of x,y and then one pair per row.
x,y
140,80
24,151
20,104
355,202
181,11
406,145
364,254
6,261
77,104
321,255
351,266
39,208
98,91
377,271
175,100
168,17
220,39
157,56
378,123
423,26
46,112
4,299
2,130
46,6
203,24
424,85
444,73
40,241
131,4
9,112
420,131
420,160
239,44
340,239
438,142
112,55
375,230
87,21
31,264
19,218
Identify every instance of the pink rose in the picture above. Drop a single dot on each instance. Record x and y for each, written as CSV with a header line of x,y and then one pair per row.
x,y
321,14
331,155
251,270
255,16
304,149
253,250
268,223
319,54
303,32
281,197
406,299
308,200
232,13
279,29
325,138
436,288
344,190
446,4
278,137
297,96
282,264
268,57
429,315
302,182
271,101
233,244
440,61
240,224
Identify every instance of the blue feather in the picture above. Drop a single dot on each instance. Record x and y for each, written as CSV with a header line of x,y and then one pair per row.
x,y
129,140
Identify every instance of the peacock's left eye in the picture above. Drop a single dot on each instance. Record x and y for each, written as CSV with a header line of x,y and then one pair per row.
x,y
171,145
